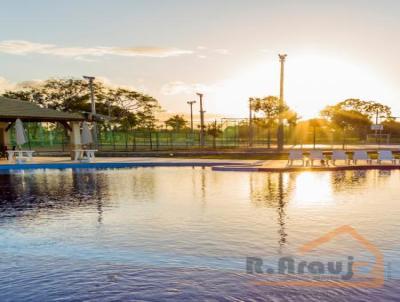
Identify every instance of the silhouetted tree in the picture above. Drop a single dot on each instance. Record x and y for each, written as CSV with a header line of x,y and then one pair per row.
x,y
128,107
214,129
354,114
176,122
270,106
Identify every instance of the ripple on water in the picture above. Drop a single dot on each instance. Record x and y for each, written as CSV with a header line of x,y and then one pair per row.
x,y
184,233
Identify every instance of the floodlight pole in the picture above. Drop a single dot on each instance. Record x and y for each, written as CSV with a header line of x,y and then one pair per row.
x,y
93,105
191,114
201,120
280,133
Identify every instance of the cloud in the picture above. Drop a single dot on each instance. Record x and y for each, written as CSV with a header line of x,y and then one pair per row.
x,y
221,51
84,59
155,52
138,86
6,84
20,47
268,51
179,87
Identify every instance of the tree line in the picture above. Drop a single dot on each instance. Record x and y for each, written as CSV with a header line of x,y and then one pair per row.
x,y
132,110
128,109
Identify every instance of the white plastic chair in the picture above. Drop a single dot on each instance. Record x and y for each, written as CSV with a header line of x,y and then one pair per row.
x,y
386,155
316,155
295,155
339,155
361,155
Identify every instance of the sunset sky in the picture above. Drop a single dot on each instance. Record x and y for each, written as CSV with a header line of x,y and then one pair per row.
x,y
226,49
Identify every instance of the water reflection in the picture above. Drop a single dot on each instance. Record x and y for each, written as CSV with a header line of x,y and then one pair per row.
x,y
303,190
196,202
181,217
272,190
344,179
34,193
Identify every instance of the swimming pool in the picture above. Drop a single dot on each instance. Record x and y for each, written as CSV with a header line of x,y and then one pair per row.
x,y
186,233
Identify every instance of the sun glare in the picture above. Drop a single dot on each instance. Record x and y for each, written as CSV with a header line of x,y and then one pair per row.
x,y
311,83
312,189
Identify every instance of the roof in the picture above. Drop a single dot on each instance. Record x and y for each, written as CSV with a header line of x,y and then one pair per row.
x,y
11,109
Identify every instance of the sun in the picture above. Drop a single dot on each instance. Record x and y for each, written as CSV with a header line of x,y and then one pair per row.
x,y
312,81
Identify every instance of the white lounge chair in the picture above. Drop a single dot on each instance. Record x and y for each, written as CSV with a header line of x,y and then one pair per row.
x,y
361,155
339,155
316,155
295,155
386,155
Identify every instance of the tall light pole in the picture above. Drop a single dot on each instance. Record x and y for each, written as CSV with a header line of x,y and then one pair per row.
x,y
280,133
90,80
201,120
191,114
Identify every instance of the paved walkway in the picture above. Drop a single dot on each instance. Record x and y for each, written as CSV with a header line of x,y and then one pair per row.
x,y
282,166
116,162
216,164
346,147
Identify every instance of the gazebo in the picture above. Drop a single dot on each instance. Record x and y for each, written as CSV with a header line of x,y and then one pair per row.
x,y
11,110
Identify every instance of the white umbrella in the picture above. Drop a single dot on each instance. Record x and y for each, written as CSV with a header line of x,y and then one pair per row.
x,y
20,133
86,134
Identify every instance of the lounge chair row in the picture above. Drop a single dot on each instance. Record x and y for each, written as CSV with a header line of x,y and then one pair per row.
x,y
358,155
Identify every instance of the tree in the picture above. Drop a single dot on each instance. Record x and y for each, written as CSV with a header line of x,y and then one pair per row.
x,y
129,108
176,122
213,129
292,118
370,108
365,108
392,127
354,114
59,94
270,106
141,105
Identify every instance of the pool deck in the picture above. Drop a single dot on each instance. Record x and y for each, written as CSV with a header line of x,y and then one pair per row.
x,y
216,164
282,166
119,162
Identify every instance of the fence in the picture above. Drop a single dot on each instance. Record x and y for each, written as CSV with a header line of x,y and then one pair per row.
x,y
43,138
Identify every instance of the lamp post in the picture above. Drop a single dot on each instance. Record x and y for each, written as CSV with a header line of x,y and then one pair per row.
x,y
280,133
90,80
201,120
191,114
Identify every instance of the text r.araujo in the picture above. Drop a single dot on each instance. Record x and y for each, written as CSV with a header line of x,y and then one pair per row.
x,y
290,266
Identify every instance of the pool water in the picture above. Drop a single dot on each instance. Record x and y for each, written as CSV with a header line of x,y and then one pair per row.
x,y
168,234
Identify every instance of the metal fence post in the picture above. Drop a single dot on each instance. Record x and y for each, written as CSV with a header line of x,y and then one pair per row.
x,y
151,141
